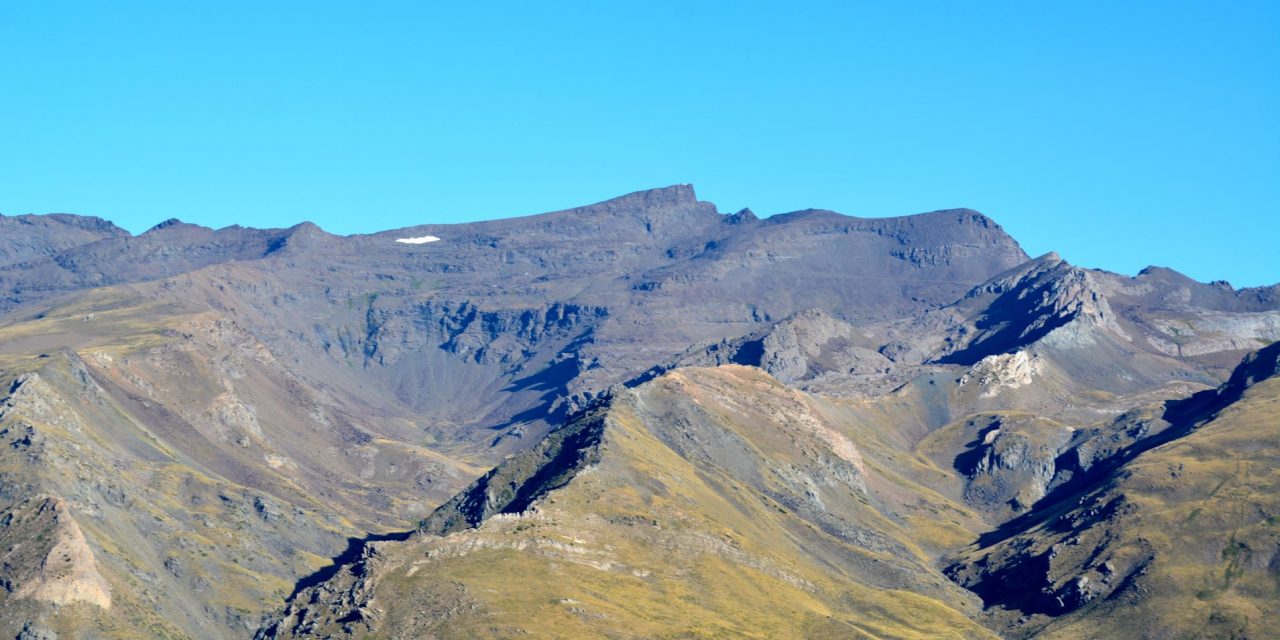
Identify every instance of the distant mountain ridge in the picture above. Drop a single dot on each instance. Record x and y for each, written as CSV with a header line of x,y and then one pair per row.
x,y
238,422
660,255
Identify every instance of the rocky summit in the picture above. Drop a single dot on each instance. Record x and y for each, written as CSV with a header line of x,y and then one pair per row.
x,y
642,418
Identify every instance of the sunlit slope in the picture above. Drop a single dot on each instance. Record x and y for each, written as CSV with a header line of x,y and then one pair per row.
x,y
706,503
163,475
1182,541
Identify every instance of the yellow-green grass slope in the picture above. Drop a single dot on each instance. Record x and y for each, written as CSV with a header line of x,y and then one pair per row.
x,y
1183,541
194,476
707,503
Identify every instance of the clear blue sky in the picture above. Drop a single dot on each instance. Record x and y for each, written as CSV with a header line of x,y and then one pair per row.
x,y
1120,134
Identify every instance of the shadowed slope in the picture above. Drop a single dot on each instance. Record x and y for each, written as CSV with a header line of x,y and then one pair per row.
x,y
247,403
1171,532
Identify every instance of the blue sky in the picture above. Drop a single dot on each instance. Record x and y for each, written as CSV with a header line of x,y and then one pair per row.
x,y
1118,134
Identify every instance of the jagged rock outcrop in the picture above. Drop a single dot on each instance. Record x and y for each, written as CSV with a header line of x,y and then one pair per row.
x,y
524,478
1066,307
1003,371
1028,304
1010,461
505,336
665,481
1141,539
811,349
226,411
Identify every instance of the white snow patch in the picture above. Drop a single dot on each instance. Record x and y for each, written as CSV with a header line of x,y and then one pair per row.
x,y
418,240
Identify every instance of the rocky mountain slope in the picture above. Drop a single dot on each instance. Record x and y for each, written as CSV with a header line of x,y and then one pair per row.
x,y
719,502
1164,526
702,423
498,328
31,239
712,502
204,475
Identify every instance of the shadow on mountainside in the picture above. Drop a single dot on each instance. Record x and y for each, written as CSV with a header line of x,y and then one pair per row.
x,y
1004,327
1022,576
353,553
1183,416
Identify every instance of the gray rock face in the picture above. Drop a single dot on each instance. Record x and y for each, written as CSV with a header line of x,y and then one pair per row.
x,y
368,379
812,350
523,315
27,239
1066,552
1158,313
1011,462
34,631
514,485
1021,307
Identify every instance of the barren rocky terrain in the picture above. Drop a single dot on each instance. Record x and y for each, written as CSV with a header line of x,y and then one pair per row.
x,y
640,418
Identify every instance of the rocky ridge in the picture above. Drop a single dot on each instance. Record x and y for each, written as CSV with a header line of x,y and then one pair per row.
x,y
653,489
1098,555
847,400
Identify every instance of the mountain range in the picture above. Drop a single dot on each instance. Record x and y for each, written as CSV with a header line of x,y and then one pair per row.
x,y
635,419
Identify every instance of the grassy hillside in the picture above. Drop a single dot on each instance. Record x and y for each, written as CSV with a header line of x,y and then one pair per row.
x,y
1182,541
722,505
194,476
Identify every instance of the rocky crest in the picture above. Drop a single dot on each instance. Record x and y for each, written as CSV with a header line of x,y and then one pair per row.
x,y
1021,307
1089,543
692,423
643,529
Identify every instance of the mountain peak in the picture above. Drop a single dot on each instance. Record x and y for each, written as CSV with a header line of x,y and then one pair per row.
x,y
35,237
309,230
1025,304
166,224
743,216
88,223
1165,274
173,225
680,195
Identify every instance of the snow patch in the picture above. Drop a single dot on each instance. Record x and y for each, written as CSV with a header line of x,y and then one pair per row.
x,y
418,240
